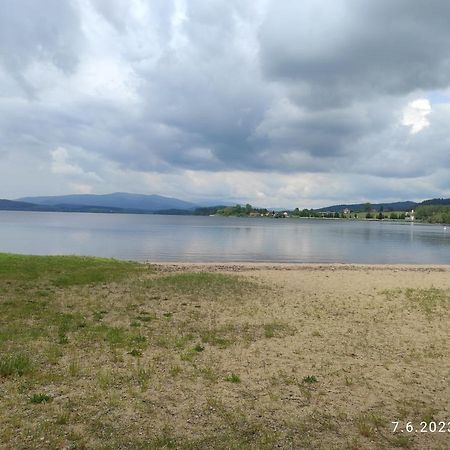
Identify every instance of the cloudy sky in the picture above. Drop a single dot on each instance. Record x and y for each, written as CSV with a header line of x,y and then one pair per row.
x,y
272,102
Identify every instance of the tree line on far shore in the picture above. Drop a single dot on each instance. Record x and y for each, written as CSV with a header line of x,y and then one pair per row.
x,y
249,210
430,213
433,213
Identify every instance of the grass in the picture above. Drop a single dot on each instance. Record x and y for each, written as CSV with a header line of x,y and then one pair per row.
x,y
233,378
40,398
275,329
16,363
429,300
63,271
309,379
105,354
192,285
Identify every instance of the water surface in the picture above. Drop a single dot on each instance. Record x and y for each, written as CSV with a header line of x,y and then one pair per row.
x,y
222,239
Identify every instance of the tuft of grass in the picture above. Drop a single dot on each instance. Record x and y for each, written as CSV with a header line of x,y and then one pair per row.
x,y
53,353
233,378
145,318
175,370
74,368
309,379
116,336
105,379
218,337
15,364
401,442
365,427
143,376
199,348
40,398
208,374
275,329
62,418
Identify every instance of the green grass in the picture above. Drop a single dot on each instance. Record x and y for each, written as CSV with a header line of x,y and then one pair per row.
x,y
16,363
192,284
233,378
309,379
40,398
428,300
276,329
63,271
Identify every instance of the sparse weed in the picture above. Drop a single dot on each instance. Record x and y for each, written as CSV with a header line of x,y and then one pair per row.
x,y
428,300
309,379
40,398
15,364
233,378
74,368
175,370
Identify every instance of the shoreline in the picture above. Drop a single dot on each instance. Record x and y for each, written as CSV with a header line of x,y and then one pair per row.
x,y
258,266
349,219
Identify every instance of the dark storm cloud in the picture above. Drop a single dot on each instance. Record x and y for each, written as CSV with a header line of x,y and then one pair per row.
x,y
349,50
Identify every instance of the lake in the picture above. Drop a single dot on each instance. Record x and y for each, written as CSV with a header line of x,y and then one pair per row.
x,y
222,239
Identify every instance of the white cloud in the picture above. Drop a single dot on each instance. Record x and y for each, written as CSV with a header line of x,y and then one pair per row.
x,y
415,115
60,164
81,188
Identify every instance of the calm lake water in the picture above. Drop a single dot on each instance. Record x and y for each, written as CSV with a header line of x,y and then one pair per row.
x,y
187,238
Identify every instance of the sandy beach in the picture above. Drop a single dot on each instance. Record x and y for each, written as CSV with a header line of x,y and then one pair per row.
x,y
243,356
372,335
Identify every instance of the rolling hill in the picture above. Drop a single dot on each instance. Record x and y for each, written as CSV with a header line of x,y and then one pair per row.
x,y
358,207
122,200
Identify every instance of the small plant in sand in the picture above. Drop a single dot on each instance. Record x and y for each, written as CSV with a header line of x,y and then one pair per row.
x,y
309,379
233,378
40,398
199,348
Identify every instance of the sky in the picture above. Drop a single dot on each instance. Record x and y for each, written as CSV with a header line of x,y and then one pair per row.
x,y
271,102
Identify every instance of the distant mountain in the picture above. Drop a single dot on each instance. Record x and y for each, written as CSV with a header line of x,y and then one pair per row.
x,y
11,205
358,207
437,201
122,200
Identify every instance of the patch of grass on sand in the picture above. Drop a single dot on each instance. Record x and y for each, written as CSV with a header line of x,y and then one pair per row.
x,y
429,300
233,378
40,398
63,271
15,363
194,284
